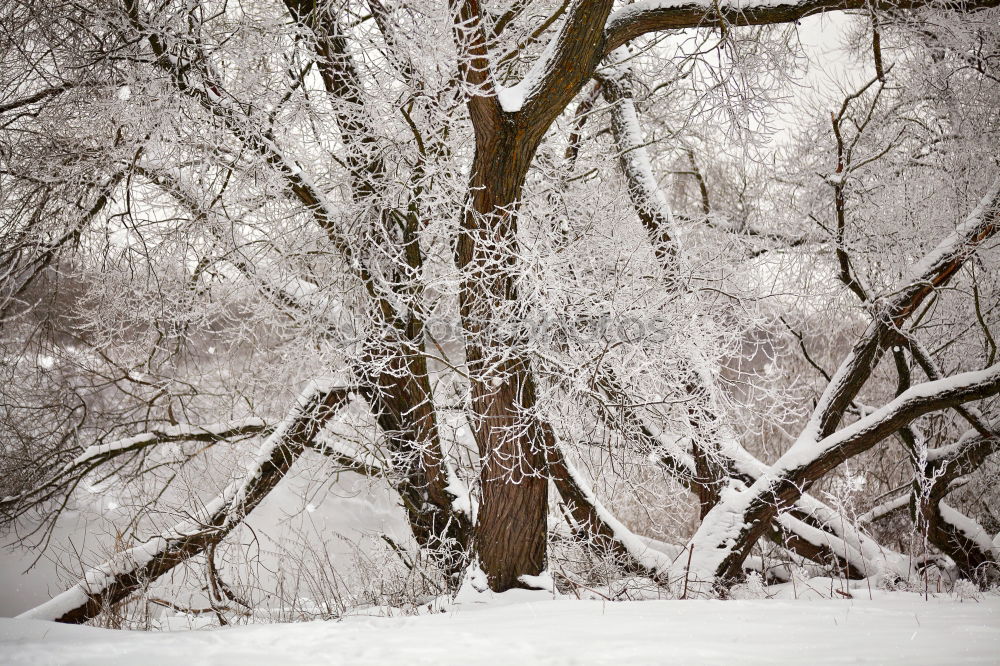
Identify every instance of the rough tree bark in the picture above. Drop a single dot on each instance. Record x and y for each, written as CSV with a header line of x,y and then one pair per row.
x,y
511,534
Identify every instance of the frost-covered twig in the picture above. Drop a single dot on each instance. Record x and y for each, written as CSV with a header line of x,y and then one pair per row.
x,y
64,480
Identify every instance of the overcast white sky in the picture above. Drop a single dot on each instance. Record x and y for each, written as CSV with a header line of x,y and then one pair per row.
x,y
830,67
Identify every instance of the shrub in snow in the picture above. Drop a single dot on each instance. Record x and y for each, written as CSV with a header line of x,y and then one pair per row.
x,y
965,590
753,588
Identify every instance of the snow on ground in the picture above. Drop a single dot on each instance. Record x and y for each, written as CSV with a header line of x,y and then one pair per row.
x,y
892,629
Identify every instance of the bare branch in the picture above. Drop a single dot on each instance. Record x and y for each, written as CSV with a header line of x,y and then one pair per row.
x,y
43,94
94,456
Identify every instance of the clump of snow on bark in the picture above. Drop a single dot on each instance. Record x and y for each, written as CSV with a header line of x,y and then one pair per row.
x,y
542,581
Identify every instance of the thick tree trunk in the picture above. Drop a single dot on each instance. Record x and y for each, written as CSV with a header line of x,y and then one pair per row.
x,y
511,534
512,520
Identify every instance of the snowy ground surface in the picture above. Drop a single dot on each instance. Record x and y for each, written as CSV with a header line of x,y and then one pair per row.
x,y
889,630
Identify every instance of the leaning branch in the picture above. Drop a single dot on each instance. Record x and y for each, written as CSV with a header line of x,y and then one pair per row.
x,y
932,272
564,67
597,526
128,571
964,541
43,94
647,198
734,525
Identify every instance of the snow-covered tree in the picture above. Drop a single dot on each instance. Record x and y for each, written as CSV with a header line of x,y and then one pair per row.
x,y
481,250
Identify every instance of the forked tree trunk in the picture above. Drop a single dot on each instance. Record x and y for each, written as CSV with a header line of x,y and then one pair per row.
x,y
511,535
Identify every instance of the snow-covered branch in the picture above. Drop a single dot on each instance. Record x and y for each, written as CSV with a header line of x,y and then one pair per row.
x,y
597,526
128,571
565,65
932,272
63,481
724,538
646,16
647,198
